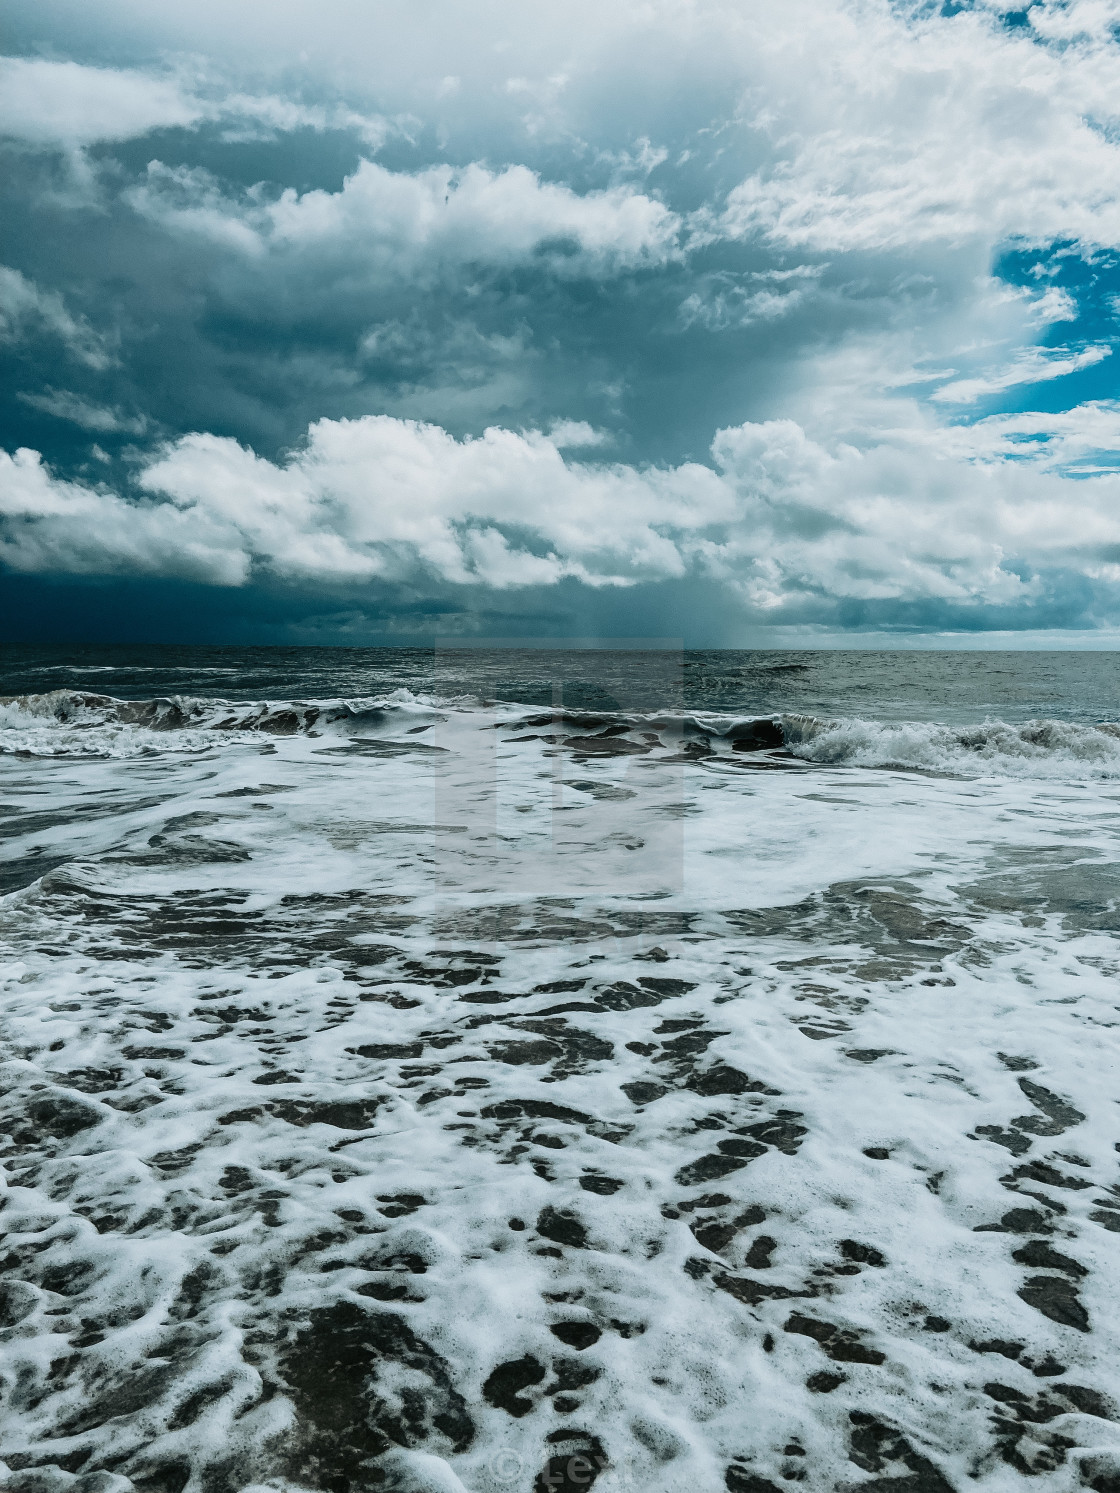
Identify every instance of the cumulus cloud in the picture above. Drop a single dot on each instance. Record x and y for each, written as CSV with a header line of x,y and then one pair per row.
x,y
860,125
783,519
377,497
66,528
67,103
896,131
407,223
793,214
877,525
374,495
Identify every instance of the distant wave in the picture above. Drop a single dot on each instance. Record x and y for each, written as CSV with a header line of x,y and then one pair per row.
x,y
174,712
83,709
78,723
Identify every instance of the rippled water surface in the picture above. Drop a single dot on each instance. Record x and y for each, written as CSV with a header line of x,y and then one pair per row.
x,y
956,687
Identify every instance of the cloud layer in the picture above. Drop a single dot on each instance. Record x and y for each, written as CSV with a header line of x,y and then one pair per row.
x,y
979,518
808,306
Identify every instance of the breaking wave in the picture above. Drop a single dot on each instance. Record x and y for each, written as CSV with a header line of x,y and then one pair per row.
x,y
1039,748
78,723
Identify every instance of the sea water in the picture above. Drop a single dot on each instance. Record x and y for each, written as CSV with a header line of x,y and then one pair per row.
x,y
502,1069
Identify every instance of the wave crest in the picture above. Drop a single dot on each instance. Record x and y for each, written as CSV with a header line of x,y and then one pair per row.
x,y
77,723
1047,748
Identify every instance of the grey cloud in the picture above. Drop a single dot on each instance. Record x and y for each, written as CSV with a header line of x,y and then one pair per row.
x,y
748,296
67,406
26,309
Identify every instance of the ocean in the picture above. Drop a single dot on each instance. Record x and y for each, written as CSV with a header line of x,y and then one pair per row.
x,y
529,1068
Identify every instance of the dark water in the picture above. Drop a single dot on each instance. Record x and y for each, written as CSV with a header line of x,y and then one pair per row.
x,y
951,686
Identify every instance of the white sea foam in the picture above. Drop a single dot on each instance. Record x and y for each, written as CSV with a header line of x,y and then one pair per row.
x,y
1040,748
76,722
799,1079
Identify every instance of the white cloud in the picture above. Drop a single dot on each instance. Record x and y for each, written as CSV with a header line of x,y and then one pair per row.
x,y
248,116
1074,20
896,523
72,105
569,435
379,495
1086,437
888,132
964,515
903,146
860,124
69,104
409,223
190,199
25,308
724,301
1053,305
365,498
49,526
1035,366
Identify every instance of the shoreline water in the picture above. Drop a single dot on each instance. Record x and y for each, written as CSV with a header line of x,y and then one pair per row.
x,y
446,1095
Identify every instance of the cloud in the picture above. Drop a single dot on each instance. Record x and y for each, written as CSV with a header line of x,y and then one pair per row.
x,y
372,498
65,528
901,521
785,521
247,116
67,406
190,199
724,300
378,496
26,309
746,250
1053,305
1035,366
569,435
1085,438
71,105
407,224
899,130
846,126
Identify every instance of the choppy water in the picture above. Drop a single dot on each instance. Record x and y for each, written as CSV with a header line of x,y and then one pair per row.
x,y
523,1070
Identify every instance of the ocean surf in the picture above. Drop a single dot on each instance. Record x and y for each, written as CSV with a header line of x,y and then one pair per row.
x,y
530,1072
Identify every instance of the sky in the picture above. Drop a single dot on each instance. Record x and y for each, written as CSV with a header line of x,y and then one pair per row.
x,y
749,324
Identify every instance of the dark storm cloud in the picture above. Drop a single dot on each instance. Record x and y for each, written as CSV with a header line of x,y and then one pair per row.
x,y
565,325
